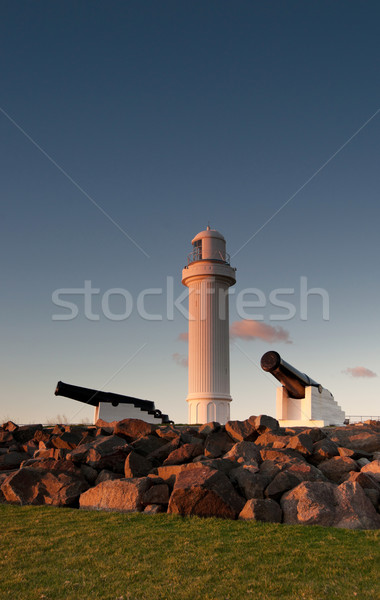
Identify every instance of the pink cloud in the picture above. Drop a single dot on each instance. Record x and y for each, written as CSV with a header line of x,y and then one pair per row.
x,y
359,372
183,337
180,359
254,330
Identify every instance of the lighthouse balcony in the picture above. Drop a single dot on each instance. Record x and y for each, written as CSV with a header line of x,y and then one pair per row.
x,y
216,256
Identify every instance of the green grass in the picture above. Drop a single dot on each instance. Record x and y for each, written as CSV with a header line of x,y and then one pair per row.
x,y
54,553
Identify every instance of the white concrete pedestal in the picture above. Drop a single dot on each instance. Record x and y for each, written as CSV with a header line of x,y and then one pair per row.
x,y
316,409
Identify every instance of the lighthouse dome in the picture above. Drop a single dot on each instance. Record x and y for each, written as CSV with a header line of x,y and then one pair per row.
x,y
209,245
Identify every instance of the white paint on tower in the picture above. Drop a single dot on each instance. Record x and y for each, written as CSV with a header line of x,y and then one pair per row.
x,y
208,276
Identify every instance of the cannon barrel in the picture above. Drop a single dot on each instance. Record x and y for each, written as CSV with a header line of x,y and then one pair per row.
x,y
93,397
293,380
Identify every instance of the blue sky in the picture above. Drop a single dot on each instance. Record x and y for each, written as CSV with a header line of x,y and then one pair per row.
x,y
168,115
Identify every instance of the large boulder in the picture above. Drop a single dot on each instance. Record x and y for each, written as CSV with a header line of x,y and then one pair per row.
x,y
373,469
337,468
310,503
303,443
217,443
264,423
204,492
261,510
157,494
249,482
355,510
244,452
148,444
12,460
321,503
132,429
323,450
183,454
364,438
136,465
38,486
241,431
68,440
124,495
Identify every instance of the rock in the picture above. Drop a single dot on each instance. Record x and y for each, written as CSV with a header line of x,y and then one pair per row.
x,y
207,428
132,429
355,510
244,452
35,486
285,454
184,454
30,447
361,462
9,426
157,494
217,444
106,475
108,452
290,476
346,452
161,453
6,438
168,432
270,440
124,495
67,440
12,460
261,510
318,503
373,469
89,474
323,450
241,431
154,509
365,480
360,439
136,465
337,468
148,444
100,423
373,496
310,503
50,453
204,492
315,433
249,481
220,464
283,481
24,433
302,443
169,473
264,423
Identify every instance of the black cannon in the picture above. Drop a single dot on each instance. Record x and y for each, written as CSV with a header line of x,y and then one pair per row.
x,y
93,397
293,380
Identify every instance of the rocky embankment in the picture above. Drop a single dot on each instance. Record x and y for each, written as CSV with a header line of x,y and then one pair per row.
x,y
250,469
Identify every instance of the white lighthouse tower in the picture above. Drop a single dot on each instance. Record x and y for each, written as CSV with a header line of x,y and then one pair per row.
x,y
208,276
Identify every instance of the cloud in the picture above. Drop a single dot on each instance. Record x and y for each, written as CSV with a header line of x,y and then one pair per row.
x,y
254,330
180,359
183,337
359,372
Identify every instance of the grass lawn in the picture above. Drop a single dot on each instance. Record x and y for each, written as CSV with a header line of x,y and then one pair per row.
x,y
54,553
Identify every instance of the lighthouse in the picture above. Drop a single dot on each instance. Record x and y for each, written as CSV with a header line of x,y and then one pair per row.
x,y
208,275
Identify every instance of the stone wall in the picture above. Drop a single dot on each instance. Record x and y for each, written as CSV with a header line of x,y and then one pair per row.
x,y
250,469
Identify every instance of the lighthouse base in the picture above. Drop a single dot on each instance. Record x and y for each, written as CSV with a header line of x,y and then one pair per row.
x,y
204,408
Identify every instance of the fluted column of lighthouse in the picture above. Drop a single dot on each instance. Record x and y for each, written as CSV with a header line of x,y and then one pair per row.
x,y
208,279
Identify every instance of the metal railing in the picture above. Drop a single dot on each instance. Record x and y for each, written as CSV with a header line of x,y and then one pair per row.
x,y
196,255
361,418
